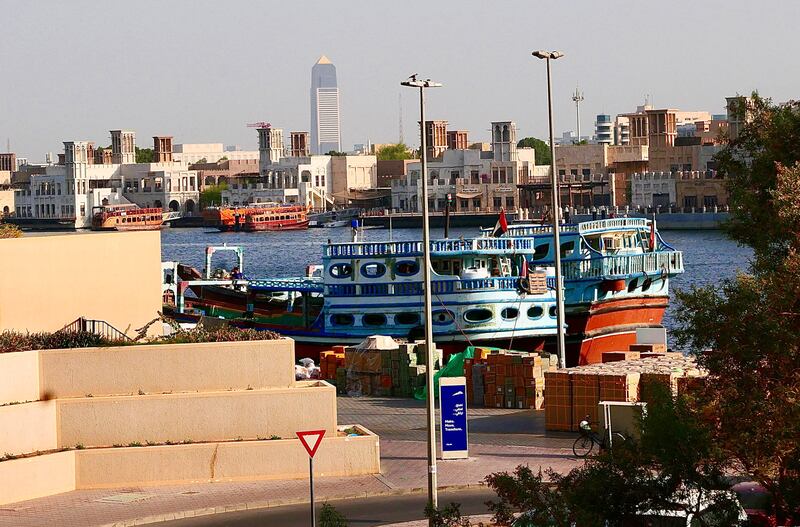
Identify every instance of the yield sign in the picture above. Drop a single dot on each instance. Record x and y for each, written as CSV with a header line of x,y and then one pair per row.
x,y
311,440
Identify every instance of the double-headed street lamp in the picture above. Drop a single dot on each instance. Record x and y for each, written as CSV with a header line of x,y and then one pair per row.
x,y
548,56
413,82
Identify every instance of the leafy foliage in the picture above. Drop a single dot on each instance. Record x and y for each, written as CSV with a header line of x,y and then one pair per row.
x,y
212,195
8,230
541,149
335,153
144,155
449,516
394,152
330,517
745,330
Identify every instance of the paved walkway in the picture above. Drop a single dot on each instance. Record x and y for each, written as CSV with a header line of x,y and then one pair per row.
x,y
403,464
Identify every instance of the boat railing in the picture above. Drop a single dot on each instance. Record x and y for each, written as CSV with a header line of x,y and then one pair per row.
x,y
438,287
669,262
612,223
96,327
490,245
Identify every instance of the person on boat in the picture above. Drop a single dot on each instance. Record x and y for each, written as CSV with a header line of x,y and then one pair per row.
x,y
236,274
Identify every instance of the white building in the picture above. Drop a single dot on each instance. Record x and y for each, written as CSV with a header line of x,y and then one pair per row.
x,y
211,152
325,126
477,181
67,193
653,189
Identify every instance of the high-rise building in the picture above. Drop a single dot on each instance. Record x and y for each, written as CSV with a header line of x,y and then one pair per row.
x,y
604,130
325,133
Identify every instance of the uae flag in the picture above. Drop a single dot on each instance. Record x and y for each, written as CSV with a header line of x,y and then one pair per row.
x,y
501,226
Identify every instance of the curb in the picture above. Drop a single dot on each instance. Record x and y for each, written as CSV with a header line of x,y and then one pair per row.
x,y
269,504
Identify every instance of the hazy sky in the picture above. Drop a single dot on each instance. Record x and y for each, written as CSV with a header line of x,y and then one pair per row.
x,y
72,70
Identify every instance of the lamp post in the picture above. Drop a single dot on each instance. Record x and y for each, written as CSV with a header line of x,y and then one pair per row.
x,y
413,82
548,56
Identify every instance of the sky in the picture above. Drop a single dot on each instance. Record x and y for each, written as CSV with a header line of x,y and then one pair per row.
x,y
201,70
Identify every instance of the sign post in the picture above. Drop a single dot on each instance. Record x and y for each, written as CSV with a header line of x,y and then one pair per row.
x,y
311,440
453,415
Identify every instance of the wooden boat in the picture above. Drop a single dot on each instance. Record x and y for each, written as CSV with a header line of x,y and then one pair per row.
x,y
284,218
128,217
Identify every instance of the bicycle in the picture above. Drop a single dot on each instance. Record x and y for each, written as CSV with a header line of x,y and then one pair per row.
x,y
584,445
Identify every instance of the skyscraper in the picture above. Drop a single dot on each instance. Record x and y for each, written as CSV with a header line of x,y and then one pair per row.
x,y
325,134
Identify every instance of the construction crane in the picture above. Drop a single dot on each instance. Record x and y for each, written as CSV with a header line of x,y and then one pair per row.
x,y
260,125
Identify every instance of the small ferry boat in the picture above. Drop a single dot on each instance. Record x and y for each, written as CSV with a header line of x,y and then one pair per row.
x,y
126,217
282,218
487,290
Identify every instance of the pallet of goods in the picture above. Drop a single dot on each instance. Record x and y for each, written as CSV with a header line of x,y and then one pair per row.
x,y
506,379
573,393
380,366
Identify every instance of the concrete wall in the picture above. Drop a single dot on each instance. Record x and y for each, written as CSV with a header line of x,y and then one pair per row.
x,y
29,427
19,377
166,368
49,281
214,416
34,477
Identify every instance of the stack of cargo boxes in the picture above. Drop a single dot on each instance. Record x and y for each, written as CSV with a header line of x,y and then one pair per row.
x,y
574,393
386,372
330,361
507,379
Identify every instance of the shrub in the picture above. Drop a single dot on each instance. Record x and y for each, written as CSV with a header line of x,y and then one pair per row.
x,y
8,230
330,517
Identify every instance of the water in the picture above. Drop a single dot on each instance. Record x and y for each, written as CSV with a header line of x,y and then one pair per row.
x,y
709,256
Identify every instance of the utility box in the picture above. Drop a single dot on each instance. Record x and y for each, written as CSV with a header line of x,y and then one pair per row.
x,y
622,417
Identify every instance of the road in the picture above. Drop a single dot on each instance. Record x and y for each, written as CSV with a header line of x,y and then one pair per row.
x,y
364,512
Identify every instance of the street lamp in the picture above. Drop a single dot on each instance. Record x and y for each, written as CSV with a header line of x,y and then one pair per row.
x,y
413,82
548,56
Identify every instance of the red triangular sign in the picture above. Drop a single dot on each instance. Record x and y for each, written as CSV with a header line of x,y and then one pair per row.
x,y
311,440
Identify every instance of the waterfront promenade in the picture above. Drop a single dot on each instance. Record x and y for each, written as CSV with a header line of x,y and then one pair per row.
x,y
500,440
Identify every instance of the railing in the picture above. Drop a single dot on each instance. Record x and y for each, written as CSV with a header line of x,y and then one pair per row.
x,y
612,223
438,287
303,285
97,327
669,262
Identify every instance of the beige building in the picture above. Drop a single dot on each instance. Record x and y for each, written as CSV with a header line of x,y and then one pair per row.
x,y
110,276
352,173
209,153
699,190
600,161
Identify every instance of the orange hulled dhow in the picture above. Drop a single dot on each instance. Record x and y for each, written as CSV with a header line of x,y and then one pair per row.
x,y
257,217
127,217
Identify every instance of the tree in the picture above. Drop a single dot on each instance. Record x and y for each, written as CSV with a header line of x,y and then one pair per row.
x,y
335,153
541,149
394,152
744,331
144,155
675,461
212,195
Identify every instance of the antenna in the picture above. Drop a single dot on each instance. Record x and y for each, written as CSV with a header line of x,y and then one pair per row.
x,y
400,115
578,98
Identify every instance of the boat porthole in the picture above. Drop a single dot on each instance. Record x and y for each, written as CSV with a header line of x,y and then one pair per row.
x,y
343,319
374,319
341,270
373,270
509,313
478,315
632,285
406,319
406,267
535,312
443,317
552,311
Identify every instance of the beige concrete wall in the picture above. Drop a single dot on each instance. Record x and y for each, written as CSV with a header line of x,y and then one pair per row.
x,y
216,416
167,368
35,477
49,281
19,377
231,461
28,427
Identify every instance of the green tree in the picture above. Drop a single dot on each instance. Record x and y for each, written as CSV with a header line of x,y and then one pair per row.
x,y
745,330
212,195
144,155
392,152
335,153
541,149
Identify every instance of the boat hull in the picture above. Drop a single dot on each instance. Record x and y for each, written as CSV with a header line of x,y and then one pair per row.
x,y
276,226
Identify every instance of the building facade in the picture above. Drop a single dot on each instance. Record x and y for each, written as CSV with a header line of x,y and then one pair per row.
x,y
325,125
209,153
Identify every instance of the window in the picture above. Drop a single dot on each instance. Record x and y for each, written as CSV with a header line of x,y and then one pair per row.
x,y
474,177
374,319
476,203
373,270
442,317
710,201
498,203
552,311
586,171
541,251
464,204
406,267
509,313
343,319
510,202
406,319
83,210
341,270
567,248
535,312
478,315
690,201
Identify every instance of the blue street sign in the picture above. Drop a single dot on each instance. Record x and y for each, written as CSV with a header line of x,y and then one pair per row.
x,y
453,414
